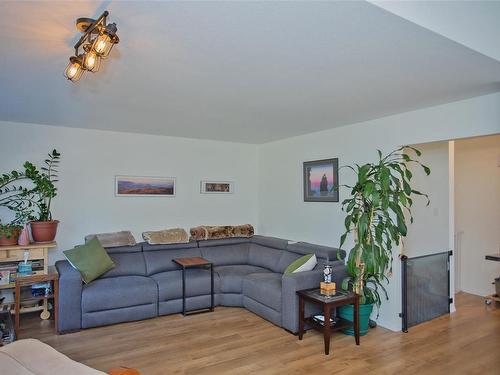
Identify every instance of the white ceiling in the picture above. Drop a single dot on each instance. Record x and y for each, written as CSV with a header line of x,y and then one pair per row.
x,y
236,71
475,24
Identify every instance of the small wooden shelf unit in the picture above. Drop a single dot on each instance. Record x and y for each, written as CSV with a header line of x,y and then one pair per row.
x,y
36,251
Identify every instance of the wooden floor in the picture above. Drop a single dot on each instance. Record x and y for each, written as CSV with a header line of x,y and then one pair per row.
x,y
235,341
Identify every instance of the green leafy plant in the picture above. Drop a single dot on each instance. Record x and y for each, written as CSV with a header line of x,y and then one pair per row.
x,y
16,197
44,180
9,230
376,218
29,193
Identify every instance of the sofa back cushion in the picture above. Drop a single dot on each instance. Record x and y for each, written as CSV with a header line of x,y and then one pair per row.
x,y
161,260
272,242
137,248
127,264
262,256
173,246
286,259
266,252
225,252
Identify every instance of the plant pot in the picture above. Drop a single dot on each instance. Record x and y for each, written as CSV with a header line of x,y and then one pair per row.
x,y
347,313
12,241
44,231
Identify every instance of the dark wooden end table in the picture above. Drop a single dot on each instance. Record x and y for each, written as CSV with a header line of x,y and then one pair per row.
x,y
328,304
195,262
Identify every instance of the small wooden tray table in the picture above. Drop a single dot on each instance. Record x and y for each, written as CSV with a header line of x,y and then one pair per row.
x,y
195,262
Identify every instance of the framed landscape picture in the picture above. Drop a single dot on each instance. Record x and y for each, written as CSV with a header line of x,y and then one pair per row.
x,y
217,187
140,186
321,180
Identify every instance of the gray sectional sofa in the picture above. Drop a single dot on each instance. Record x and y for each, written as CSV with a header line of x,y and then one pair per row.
x,y
145,283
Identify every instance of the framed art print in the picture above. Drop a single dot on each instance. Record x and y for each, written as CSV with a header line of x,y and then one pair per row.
x,y
217,187
141,186
321,180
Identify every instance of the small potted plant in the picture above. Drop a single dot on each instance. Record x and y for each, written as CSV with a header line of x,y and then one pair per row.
x,y
12,197
9,233
376,218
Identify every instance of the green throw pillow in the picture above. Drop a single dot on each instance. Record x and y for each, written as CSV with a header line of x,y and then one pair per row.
x,y
305,263
91,260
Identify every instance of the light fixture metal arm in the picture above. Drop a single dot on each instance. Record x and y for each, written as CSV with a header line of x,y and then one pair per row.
x,y
90,28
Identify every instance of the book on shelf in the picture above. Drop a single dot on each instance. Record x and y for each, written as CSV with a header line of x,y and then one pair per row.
x,y
8,266
4,277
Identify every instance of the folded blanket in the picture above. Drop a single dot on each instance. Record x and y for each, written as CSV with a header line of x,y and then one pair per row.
x,y
167,236
115,239
207,232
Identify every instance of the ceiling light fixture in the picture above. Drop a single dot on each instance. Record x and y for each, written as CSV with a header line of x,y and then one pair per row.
x,y
97,41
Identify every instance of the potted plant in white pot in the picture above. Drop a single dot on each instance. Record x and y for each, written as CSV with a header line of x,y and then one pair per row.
x,y
376,218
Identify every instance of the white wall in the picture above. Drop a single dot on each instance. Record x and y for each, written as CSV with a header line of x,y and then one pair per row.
x,y
268,177
90,160
432,230
477,216
433,219
282,210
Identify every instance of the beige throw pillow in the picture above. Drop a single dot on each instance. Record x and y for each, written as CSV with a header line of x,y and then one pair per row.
x,y
165,237
115,239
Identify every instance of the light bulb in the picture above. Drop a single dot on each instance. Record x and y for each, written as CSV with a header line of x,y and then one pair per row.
x,y
91,61
102,45
74,70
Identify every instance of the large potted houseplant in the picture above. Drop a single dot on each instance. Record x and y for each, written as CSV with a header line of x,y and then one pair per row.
x,y
29,194
377,211
44,228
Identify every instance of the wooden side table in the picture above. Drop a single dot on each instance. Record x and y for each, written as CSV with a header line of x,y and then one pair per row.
x,y
328,304
51,276
195,262
10,256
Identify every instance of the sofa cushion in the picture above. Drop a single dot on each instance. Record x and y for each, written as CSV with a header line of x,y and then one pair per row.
x,y
166,236
286,259
223,242
231,277
274,242
32,354
264,288
118,292
172,246
127,264
226,253
11,366
210,232
322,252
113,239
263,256
197,283
162,260
124,249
